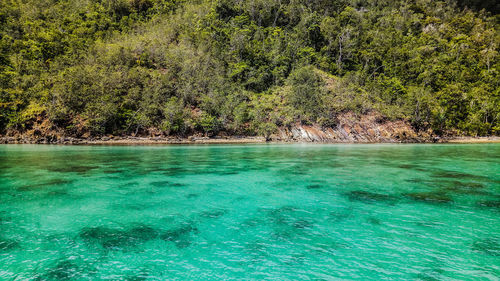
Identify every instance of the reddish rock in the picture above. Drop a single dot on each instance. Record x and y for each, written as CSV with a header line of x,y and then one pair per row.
x,y
351,128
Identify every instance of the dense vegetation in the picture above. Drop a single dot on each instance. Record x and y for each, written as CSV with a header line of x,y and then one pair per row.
x,y
246,67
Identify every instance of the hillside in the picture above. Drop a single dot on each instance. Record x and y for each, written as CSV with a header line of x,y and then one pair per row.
x,y
90,68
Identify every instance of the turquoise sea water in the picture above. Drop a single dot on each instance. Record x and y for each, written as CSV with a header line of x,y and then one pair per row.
x,y
252,212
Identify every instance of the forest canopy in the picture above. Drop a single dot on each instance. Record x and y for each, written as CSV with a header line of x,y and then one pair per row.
x,y
178,67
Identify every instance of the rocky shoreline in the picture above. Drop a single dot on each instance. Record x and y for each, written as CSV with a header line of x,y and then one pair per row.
x,y
125,140
368,128
131,140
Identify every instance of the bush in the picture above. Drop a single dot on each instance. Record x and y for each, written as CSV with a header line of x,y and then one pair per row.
x,y
306,93
209,124
174,117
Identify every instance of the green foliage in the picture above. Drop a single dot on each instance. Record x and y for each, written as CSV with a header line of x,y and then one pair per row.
x,y
306,93
266,129
175,117
209,124
247,67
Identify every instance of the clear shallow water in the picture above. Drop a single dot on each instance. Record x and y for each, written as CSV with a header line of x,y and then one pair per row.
x,y
283,212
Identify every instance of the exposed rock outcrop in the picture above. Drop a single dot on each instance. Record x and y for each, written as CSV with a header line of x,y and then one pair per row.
x,y
369,128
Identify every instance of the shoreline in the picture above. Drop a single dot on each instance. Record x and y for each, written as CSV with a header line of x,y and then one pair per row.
x,y
490,139
129,140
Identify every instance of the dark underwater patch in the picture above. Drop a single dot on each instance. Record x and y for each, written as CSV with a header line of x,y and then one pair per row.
x,y
175,171
160,183
63,270
430,197
471,188
155,169
287,220
140,276
407,166
118,239
455,186
4,219
295,259
488,246
7,244
227,173
257,250
112,171
370,197
166,184
108,238
294,170
136,278
143,232
64,168
180,235
251,222
428,276
469,185
303,224
129,184
281,214
213,214
314,186
192,195
416,180
456,175
495,204
338,216
53,182
412,167
373,220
